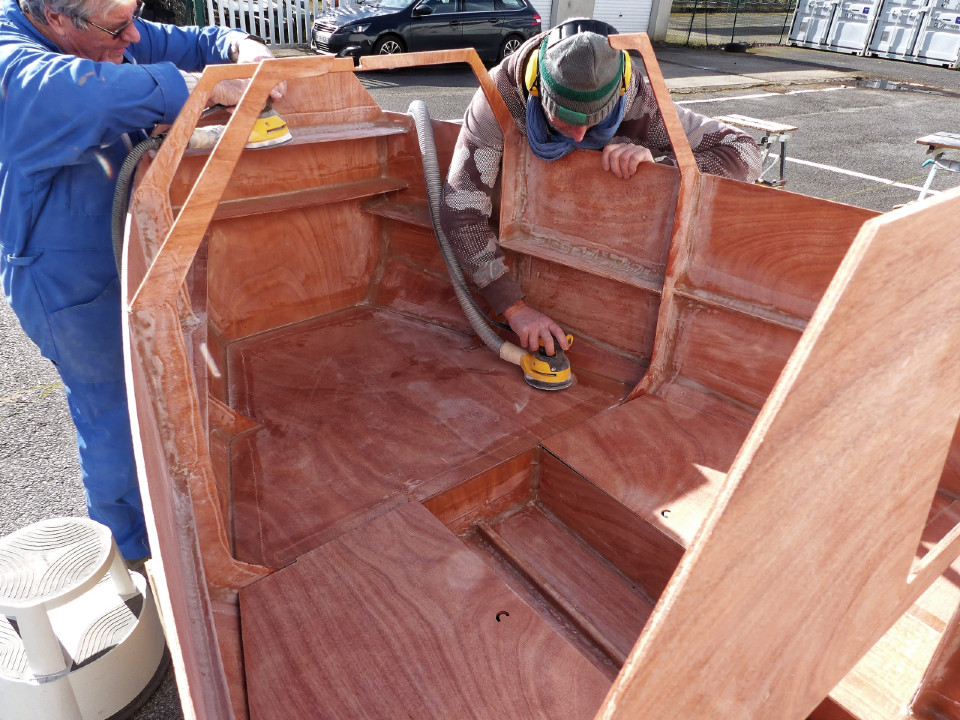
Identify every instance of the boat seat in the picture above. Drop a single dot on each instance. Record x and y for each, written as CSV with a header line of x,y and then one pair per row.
x,y
670,472
405,620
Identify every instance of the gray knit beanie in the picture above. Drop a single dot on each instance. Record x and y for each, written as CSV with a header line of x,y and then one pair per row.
x,y
580,78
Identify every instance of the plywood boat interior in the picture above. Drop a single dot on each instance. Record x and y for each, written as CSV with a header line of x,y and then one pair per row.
x,y
744,507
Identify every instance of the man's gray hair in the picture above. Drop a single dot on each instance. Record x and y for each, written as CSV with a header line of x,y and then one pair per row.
x,y
76,10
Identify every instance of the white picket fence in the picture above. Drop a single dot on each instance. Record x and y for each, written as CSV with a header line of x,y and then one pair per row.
x,y
278,22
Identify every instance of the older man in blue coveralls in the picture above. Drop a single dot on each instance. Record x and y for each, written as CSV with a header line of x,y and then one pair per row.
x,y
81,81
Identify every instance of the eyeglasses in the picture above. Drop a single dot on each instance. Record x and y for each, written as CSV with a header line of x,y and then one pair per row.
x,y
119,31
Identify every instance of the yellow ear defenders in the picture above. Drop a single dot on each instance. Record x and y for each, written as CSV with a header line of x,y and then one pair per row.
x,y
532,77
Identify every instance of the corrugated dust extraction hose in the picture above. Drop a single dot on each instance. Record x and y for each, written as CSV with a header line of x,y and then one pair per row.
x,y
431,175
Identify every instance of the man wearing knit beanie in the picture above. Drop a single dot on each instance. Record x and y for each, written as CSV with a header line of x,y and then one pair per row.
x,y
566,90
580,78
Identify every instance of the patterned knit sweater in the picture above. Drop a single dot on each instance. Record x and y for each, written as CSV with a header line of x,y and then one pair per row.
x,y
474,173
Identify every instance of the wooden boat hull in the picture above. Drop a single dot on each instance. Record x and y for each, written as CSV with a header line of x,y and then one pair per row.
x,y
355,508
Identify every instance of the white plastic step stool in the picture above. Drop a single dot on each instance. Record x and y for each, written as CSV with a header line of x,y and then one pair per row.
x,y
80,637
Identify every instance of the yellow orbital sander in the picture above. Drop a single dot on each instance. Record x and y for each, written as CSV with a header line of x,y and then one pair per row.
x,y
269,130
547,372
540,371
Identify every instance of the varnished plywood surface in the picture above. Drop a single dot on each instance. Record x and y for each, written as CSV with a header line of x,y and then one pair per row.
x,y
734,354
491,494
265,273
882,685
620,316
669,470
631,219
640,549
364,408
806,555
607,598
403,623
745,248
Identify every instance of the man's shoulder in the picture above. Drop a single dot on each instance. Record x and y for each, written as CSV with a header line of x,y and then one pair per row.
x,y
514,65
14,26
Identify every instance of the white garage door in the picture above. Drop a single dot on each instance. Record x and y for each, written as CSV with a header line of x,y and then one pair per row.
x,y
627,16
543,7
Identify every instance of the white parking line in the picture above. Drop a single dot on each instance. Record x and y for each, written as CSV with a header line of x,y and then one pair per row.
x,y
762,95
851,173
820,166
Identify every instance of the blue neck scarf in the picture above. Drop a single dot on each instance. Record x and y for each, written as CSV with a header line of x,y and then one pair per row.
x,y
548,144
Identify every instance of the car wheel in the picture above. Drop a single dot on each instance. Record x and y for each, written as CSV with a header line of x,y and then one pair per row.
x,y
510,46
388,45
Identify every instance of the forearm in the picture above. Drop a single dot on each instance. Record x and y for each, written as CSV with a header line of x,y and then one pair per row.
x,y
721,149
467,207
718,149
465,218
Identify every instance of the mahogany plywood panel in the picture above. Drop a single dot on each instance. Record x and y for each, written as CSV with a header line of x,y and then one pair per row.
x,y
177,570
665,462
937,696
640,550
404,621
289,167
266,271
332,99
806,556
613,605
944,516
416,244
743,247
950,480
505,487
406,288
403,152
735,354
365,407
633,217
226,621
611,313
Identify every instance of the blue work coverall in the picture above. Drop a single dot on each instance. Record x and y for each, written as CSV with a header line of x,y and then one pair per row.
x,y
66,125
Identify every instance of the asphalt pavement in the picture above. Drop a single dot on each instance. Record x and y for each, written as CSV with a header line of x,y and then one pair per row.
x,y
857,121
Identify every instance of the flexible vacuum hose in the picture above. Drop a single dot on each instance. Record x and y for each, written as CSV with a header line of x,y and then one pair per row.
x,y
431,175
121,196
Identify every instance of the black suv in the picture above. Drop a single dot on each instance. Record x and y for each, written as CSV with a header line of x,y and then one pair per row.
x,y
494,27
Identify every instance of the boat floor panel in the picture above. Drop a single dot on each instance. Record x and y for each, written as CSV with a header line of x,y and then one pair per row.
x,y
615,606
405,620
334,448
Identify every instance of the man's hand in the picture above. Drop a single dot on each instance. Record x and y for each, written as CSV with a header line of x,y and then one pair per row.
x,y
227,92
532,326
248,50
623,159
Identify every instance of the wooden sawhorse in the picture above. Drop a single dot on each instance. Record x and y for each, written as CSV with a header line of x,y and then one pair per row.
x,y
772,132
937,144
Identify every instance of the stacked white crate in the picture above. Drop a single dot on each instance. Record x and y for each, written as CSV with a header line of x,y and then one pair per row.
x,y
926,31
835,25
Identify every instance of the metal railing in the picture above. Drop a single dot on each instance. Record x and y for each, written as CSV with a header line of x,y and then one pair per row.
x,y
726,22
278,22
